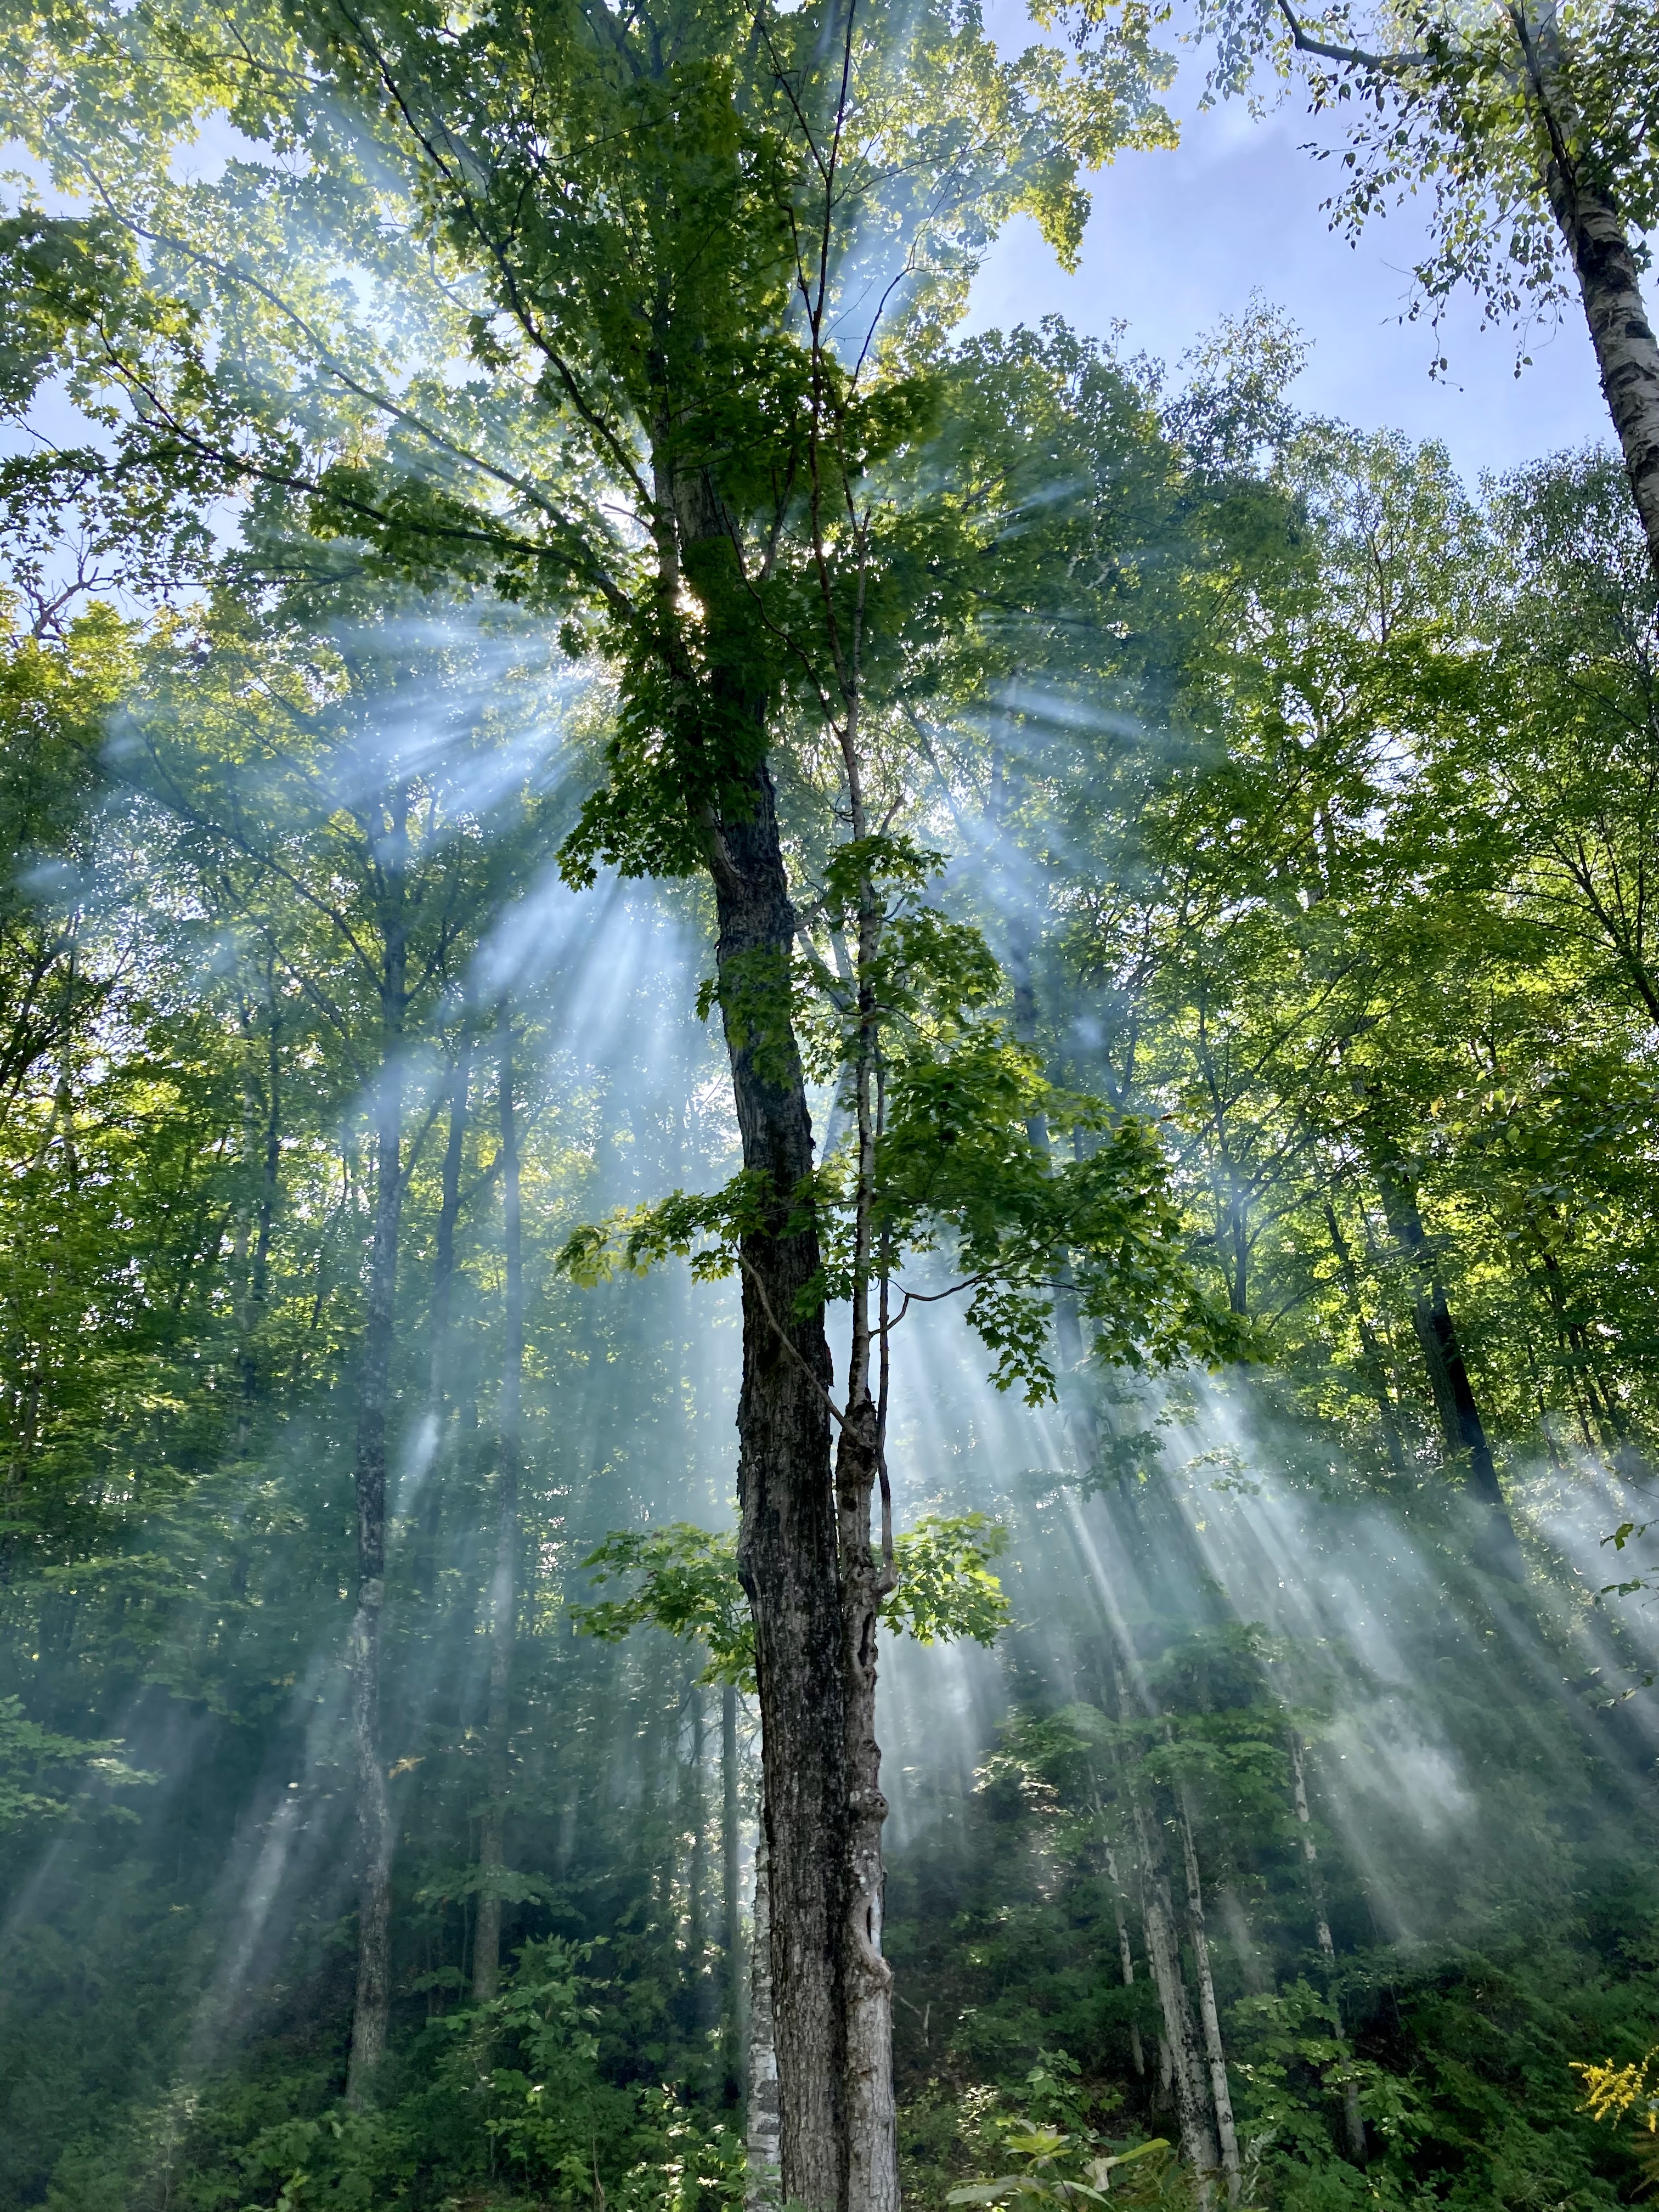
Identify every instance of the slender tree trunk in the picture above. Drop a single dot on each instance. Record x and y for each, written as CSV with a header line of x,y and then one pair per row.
x,y
871,2116
1215,2055
764,2116
432,1439
1377,1368
1354,2119
1126,1957
503,1592
786,1539
697,1877
1080,1413
1192,2096
264,1215
731,1900
369,2015
1461,1421
1609,281
1181,2063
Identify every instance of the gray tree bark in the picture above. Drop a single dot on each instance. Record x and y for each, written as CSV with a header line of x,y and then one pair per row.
x,y
731,1900
1192,2096
1126,1957
1598,244
1221,2096
787,1536
1354,2119
761,2186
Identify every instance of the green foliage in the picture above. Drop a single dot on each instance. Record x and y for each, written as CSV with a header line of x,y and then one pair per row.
x,y
38,1770
1045,2179
689,1586
1299,808
1471,103
944,1589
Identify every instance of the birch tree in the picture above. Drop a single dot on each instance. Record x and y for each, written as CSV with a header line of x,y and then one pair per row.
x,y
1528,125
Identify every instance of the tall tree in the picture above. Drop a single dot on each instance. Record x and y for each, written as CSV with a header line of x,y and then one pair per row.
x,y
746,191
1529,121
504,1579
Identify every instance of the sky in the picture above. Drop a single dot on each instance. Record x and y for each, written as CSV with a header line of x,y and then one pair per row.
x,y
1178,239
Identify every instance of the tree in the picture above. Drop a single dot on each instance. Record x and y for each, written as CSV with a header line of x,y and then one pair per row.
x,y
1528,121
747,195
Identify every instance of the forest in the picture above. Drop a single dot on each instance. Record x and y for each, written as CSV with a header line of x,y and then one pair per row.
x,y
828,1268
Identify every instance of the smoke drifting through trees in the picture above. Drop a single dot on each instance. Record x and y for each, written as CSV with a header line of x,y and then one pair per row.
x,y
1172,879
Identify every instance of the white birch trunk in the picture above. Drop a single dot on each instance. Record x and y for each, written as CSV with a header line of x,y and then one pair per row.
x,y
1192,2099
1609,282
761,2186
1215,2055
1126,1957
1353,2119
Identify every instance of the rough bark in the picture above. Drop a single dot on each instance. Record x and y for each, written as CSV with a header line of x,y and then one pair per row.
x,y
1192,2096
731,1900
503,1590
1609,282
786,1539
1181,2065
1354,2120
803,1550
369,2014
871,2117
1215,2055
760,2186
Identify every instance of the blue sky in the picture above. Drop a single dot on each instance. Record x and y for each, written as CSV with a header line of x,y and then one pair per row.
x,y
1178,239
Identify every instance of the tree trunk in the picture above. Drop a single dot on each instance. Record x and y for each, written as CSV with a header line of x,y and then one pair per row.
x,y
696,1881
443,1295
1609,281
503,1593
1080,1413
1461,1422
764,2117
368,2023
872,2119
1377,1367
786,1539
1221,2095
1126,1958
1192,2096
731,1900
1354,2119
1180,2065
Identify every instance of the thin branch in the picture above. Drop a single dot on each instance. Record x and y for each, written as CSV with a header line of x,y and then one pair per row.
x,y
1350,56
789,1341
